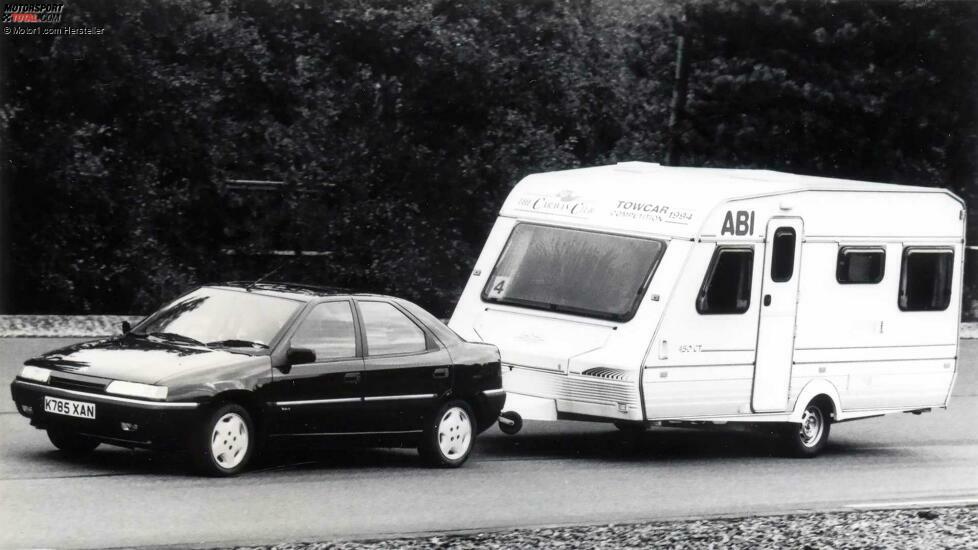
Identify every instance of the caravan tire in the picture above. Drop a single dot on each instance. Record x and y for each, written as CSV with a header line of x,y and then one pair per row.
x,y
808,438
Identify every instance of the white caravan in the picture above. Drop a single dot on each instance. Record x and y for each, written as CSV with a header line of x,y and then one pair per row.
x,y
648,295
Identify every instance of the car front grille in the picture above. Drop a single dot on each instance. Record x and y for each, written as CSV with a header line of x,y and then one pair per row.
x,y
91,385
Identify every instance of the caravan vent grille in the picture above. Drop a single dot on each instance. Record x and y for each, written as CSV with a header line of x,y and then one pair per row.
x,y
610,374
557,385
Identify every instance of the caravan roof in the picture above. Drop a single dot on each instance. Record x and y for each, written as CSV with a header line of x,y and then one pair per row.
x,y
678,201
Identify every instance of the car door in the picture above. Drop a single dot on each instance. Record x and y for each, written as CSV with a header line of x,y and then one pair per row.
x,y
325,395
406,370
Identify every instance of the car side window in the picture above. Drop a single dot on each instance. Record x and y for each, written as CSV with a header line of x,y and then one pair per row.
x,y
328,330
389,331
726,287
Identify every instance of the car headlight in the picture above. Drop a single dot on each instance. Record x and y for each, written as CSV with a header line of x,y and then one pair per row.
x,y
132,389
36,374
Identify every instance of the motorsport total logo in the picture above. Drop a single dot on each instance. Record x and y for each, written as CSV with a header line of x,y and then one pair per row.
x,y
33,14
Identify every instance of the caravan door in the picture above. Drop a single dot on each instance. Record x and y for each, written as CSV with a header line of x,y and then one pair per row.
x,y
779,303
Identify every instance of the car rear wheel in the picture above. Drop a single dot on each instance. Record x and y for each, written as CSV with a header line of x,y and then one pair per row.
x,y
807,439
71,442
225,441
448,435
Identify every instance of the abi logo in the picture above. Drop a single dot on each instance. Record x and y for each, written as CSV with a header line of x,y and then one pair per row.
x,y
741,223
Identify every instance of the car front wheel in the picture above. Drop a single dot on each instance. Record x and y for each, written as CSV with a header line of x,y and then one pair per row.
x,y
448,435
70,442
224,443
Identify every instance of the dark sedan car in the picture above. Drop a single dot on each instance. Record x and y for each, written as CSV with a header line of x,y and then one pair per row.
x,y
226,368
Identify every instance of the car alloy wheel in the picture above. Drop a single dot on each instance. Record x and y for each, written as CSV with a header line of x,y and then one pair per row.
x,y
229,441
454,433
225,440
448,435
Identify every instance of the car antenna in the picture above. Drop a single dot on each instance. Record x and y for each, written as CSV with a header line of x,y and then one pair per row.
x,y
261,279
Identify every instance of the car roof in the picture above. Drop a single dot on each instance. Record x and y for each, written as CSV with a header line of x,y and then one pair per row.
x,y
295,291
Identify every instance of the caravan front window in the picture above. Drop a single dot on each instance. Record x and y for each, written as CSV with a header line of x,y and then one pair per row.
x,y
573,271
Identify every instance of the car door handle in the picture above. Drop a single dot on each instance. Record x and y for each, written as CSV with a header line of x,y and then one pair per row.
x,y
352,378
440,373
767,299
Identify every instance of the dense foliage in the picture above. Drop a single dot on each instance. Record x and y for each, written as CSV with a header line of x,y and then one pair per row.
x,y
399,127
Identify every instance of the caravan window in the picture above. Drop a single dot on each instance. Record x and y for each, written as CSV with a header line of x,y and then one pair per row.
x,y
860,265
783,255
925,279
726,287
573,271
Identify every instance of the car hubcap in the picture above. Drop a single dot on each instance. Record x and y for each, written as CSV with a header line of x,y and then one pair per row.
x,y
454,433
812,424
229,441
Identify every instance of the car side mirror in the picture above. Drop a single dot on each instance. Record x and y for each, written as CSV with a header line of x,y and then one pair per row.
x,y
298,356
126,327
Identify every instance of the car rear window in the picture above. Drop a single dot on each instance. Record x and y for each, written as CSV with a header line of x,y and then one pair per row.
x,y
389,331
446,335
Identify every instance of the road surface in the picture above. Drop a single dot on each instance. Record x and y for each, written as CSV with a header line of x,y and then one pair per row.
x,y
560,473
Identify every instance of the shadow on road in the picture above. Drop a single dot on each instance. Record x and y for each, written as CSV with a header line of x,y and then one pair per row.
x,y
666,444
670,445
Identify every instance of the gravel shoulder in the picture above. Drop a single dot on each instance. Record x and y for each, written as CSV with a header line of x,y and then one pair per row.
x,y
916,528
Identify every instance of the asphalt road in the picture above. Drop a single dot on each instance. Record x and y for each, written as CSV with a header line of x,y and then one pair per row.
x,y
560,473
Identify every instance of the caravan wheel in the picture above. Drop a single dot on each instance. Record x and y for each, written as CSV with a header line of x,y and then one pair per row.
x,y
805,440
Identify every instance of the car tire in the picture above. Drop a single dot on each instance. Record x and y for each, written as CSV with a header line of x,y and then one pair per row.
x,y
225,441
72,443
448,435
808,438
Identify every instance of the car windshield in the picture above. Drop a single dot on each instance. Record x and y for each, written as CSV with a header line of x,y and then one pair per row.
x,y
573,271
215,316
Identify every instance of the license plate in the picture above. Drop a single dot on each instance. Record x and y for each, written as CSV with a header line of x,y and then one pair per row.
x,y
67,407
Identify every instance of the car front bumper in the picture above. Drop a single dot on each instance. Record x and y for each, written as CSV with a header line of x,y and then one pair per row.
x,y
154,424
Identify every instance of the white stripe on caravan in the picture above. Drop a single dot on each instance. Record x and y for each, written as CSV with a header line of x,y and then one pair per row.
x,y
914,503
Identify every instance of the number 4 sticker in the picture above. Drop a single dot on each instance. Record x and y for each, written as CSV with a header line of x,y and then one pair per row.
x,y
498,287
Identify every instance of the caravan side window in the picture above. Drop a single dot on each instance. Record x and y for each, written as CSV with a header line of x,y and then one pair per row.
x,y
857,265
783,255
925,279
726,287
